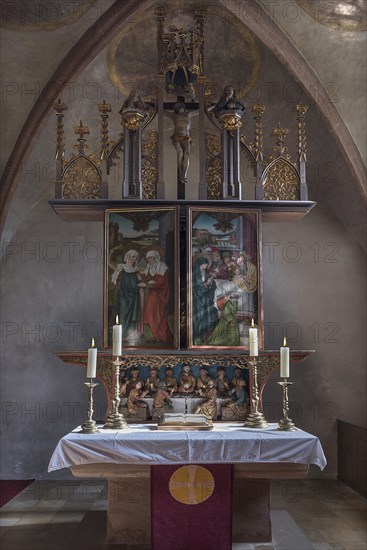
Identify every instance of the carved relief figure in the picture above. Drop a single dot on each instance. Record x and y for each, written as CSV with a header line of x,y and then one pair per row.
x,y
222,383
238,375
209,406
187,383
170,381
152,382
236,408
202,382
135,404
132,380
162,402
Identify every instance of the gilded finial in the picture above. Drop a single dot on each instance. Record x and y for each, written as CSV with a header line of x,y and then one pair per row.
x,y
81,130
300,109
258,109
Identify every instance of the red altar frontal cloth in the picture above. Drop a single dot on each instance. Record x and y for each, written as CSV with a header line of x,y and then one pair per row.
x,y
192,507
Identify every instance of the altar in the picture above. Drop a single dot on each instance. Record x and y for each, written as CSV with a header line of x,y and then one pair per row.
x,y
131,459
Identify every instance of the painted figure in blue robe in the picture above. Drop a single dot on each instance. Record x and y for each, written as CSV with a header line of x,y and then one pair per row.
x,y
205,315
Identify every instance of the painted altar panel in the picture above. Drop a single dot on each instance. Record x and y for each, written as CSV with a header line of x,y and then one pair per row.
x,y
224,277
142,277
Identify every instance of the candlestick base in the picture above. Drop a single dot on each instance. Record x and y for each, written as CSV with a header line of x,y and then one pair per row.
x,y
256,420
89,427
286,425
116,422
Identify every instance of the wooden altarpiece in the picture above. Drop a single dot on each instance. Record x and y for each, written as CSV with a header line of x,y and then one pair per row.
x,y
214,239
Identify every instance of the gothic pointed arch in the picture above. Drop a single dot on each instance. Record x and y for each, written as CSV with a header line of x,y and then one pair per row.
x,y
107,26
81,179
281,181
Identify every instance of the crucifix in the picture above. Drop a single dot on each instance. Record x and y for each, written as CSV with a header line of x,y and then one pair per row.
x,y
181,113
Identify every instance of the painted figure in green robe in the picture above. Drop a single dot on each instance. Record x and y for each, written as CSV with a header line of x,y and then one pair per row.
x,y
226,332
129,296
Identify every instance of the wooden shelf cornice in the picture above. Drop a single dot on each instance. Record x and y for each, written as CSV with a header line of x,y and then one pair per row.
x,y
93,210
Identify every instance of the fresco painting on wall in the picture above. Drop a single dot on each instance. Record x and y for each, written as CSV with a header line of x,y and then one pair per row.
x,y
141,276
224,282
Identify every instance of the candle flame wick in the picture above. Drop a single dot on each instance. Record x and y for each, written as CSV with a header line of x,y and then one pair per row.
x,y
92,342
252,323
117,319
285,341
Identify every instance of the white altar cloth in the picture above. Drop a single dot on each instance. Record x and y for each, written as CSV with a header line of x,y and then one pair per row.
x,y
226,443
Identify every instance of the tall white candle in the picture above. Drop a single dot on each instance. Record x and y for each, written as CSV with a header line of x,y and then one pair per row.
x,y
254,345
92,361
117,338
284,360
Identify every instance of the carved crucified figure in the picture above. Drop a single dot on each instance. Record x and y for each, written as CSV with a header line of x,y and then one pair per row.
x,y
181,139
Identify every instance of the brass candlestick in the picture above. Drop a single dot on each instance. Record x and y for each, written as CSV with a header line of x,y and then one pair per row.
x,y
89,426
115,420
286,423
255,419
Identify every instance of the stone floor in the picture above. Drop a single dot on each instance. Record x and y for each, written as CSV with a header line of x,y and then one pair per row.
x,y
71,515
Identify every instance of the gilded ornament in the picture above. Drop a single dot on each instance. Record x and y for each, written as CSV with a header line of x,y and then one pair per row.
x,y
214,177
258,109
280,134
149,179
132,121
81,180
104,108
214,165
231,122
300,109
213,143
281,182
81,130
149,167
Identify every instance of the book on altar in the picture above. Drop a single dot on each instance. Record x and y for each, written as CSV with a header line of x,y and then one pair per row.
x,y
181,421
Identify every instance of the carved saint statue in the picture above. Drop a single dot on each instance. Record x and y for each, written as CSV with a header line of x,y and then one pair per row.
x,y
229,102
